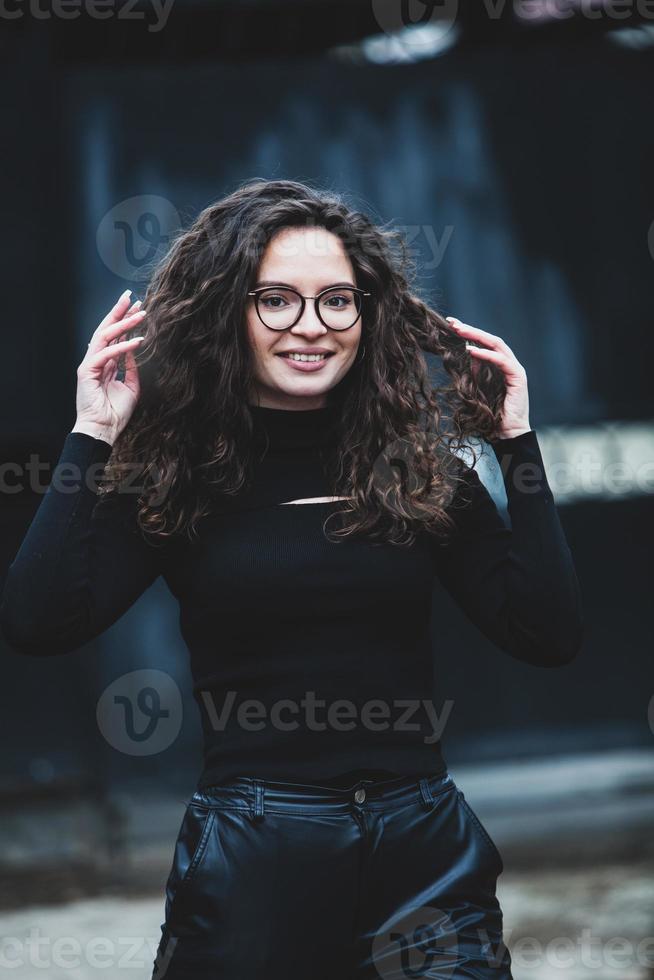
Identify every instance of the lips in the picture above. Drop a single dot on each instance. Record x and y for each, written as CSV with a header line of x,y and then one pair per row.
x,y
322,353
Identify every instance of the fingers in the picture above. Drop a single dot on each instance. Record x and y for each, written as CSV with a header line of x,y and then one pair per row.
x,y
507,361
131,377
496,352
101,338
492,355
110,333
119,319
98,360
117,331
113,330
117,312
466,330
108,372
107,346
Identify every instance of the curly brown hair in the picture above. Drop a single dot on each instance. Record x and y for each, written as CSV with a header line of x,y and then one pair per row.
x,y
191,434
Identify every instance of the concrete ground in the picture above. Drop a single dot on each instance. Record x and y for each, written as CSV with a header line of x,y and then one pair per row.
x,y
577,925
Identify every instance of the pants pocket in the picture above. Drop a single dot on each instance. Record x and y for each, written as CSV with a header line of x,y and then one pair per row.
x,y
190,848
481,831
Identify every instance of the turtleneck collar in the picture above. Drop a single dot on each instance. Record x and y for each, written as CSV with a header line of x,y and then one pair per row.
x,y
288,428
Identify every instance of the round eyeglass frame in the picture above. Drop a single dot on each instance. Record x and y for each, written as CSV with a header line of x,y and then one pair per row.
x,y
289,289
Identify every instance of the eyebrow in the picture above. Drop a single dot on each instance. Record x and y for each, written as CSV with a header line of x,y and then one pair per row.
x,y
277,282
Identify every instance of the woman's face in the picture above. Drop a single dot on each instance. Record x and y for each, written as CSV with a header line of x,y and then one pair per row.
x,y
310,260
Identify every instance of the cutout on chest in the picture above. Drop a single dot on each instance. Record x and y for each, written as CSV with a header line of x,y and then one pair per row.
x,y
313,500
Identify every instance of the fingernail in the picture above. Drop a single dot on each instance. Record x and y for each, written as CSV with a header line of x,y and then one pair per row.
x,y
128,292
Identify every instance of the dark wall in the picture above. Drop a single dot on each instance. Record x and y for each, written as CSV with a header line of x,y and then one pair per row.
x,y
528,166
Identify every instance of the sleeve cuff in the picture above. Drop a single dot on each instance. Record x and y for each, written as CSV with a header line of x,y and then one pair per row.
x,y
522,465
80,447
515,443
82,460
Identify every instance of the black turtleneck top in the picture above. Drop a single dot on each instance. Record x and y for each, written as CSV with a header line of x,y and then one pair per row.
x,y
312,661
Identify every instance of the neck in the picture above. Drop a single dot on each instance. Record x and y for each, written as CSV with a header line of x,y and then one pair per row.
x,y
291,404
286,428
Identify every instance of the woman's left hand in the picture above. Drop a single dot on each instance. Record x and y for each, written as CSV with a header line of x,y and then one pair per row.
x,y
515,410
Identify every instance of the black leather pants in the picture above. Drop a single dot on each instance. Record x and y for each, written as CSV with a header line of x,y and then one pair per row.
x,y
285,881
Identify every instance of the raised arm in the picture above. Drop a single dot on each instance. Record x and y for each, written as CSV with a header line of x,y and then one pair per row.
x,y
517,585
79,568
75,572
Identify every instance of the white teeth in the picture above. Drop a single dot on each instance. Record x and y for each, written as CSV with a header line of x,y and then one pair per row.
x,y
306,357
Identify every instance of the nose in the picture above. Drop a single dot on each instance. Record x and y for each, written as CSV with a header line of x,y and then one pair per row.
x,y
309,322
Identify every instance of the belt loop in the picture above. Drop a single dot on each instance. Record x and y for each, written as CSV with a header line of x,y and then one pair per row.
x,y
425,793
258,800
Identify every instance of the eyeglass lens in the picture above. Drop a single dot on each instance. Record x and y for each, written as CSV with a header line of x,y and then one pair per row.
x,y
279,308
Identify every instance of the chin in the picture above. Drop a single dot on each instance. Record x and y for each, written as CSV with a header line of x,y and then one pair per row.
x,y
305,391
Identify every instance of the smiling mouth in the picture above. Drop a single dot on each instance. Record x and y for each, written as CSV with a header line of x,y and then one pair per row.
x,y
305,357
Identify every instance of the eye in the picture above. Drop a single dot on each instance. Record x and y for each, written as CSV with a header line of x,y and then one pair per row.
x,y
277,299
338,301
272,302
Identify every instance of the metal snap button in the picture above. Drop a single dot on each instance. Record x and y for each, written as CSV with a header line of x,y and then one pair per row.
x,y
360,796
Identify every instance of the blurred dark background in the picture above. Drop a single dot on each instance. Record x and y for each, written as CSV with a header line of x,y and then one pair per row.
x,y
516,151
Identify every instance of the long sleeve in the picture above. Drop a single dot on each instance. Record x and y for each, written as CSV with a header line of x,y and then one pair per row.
x,y
75,572
518,585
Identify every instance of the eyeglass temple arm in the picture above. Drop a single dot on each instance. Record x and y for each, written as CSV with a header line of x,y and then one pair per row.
x,y
253,292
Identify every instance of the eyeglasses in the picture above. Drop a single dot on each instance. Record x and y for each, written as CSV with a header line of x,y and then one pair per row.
x,y
281,307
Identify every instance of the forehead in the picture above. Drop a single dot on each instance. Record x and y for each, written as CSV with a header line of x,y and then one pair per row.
x,y
305,252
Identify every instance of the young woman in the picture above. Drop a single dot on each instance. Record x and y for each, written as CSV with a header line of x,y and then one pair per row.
x,y
277,451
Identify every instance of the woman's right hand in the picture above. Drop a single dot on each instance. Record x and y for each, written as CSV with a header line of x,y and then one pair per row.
x,y
104,405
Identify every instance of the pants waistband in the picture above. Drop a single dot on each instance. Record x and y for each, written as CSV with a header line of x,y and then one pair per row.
x,y
258,795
